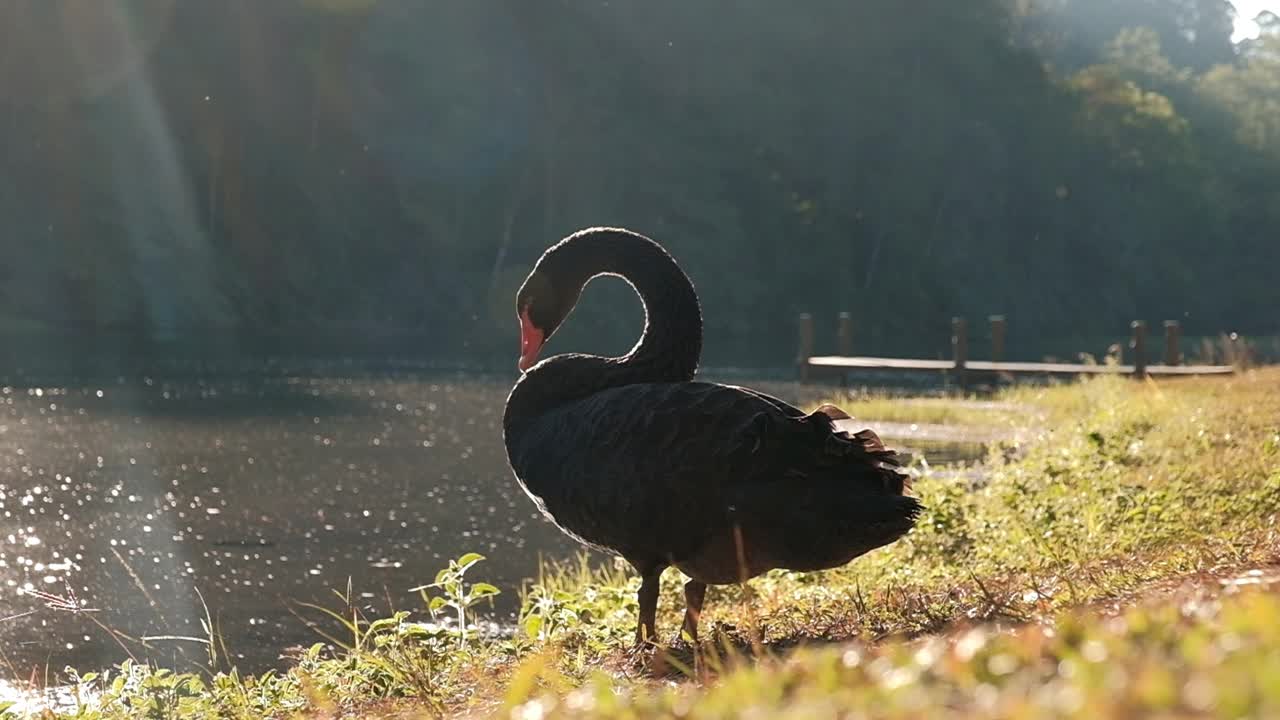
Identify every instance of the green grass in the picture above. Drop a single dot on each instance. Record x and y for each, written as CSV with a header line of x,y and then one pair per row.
x,y
1221,660
1127,483
941,411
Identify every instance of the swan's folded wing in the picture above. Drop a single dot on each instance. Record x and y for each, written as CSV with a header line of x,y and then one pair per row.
x,y
662,460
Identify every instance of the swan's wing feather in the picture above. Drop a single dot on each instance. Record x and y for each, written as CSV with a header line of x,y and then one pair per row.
x,y
784,407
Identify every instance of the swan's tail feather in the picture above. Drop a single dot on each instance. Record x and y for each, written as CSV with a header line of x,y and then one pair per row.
x,y
844,492
860,452
833,528
834,412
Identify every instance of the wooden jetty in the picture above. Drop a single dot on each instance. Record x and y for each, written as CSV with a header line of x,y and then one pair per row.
x,y
963,369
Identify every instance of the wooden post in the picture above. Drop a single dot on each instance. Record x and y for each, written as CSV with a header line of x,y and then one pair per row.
x,y
844,341
1172,339
1139,345
959,347
806,345
997,337
844,334
1235,351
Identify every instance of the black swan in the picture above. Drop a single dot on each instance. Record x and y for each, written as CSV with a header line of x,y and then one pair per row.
x,y
632,456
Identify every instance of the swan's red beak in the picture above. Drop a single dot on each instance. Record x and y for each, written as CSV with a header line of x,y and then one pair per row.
x,y
531,338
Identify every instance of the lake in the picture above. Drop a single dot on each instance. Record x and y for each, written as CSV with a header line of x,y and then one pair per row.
x,y
128,507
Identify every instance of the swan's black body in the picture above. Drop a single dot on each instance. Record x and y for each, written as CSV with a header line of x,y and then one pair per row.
x,y
632,456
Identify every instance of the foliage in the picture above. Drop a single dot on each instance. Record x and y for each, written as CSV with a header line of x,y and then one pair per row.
x,y
1163,661
361,175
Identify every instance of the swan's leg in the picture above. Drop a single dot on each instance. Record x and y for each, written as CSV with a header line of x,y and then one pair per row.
x,y
646,630
694,593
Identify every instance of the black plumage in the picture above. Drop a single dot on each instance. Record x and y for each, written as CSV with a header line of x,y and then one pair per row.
x,y
632,456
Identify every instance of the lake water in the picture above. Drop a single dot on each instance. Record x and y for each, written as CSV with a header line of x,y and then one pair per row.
x,y
130,506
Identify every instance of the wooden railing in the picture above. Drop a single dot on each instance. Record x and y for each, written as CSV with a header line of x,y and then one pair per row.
x,y
964,369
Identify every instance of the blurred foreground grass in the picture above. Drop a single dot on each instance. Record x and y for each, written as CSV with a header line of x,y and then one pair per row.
x,y
993,607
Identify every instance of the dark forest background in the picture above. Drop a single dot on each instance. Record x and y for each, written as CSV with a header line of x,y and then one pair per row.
x,y
352,176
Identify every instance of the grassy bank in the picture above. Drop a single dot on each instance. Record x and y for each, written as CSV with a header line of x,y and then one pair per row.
x,y
945,411
1125,485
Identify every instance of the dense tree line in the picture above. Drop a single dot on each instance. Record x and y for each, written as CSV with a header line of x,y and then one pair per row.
x,y
364,171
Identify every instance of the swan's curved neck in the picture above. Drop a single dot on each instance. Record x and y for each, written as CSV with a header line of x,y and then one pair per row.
x,y
670,347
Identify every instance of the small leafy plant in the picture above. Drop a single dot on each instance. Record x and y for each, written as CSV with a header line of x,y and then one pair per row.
x,y
458,595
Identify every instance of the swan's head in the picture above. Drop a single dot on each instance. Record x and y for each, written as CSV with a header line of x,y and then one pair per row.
x,y
554,285
542,304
